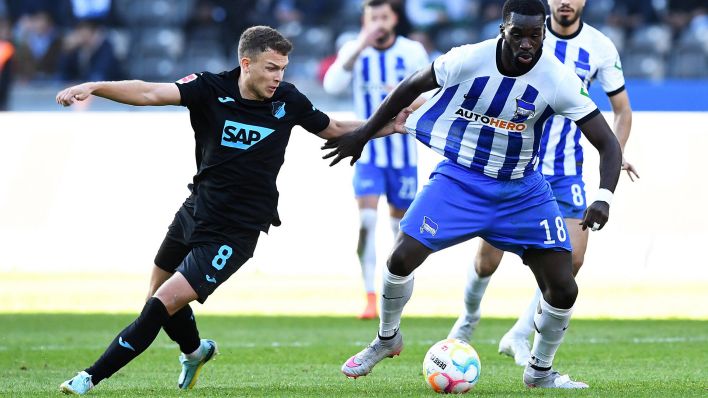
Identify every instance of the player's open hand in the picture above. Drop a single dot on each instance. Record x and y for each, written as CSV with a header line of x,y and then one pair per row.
x,y
399,122
596,216
70,95
629,168
344,146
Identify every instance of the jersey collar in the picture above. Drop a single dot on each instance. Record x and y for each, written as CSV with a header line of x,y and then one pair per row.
x,y
560,36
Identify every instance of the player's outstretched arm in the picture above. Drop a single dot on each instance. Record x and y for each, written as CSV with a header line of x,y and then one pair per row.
x,y
404,94
600,135
337,129
622,111
131,92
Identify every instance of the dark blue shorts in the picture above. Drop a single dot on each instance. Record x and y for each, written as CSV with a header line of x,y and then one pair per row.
x,y
458,204
205,265
399,185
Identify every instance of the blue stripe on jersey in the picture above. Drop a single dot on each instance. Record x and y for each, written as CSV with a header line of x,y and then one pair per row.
x,y
561,46
578,152
367,95
486,133
515,140
426,122
458,127
546,134
583,56
559,163
540,133
382,66
400,68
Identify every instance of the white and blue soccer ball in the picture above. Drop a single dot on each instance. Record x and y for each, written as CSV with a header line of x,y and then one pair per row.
x,y
451,366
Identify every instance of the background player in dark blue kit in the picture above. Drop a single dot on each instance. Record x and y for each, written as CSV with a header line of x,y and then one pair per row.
x,y
242,121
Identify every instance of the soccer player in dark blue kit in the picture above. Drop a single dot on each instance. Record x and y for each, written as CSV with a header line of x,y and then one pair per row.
x,y
242,121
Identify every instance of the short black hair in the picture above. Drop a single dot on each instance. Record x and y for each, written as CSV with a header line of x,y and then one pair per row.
x,y
259,39
375,3
523,7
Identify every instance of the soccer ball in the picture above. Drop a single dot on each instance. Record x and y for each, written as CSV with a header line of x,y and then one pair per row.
x,y
451,366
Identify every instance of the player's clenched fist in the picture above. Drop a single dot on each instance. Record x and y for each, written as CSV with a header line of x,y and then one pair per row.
x,y
72,94
596,215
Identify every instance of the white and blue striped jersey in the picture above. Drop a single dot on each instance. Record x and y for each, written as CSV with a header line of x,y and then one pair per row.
x,y
490,122
375,74
590,55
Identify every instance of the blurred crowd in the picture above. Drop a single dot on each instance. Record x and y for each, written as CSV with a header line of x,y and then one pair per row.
x,y
79,40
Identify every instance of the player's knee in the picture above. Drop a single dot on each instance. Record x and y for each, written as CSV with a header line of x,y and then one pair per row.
x,y
485,264
564,295
400,262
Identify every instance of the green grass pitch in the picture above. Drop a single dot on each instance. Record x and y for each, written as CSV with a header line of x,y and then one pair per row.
x,y
301,356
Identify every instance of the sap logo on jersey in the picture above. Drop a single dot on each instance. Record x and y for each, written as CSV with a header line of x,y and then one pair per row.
x,y
242,136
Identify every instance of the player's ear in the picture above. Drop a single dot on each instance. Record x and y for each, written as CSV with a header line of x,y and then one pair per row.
x,y
501,29
245,63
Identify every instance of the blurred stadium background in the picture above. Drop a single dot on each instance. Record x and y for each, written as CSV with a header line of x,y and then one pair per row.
x,y
86,193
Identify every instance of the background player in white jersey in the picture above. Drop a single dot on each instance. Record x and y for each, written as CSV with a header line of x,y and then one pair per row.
x,y
590,55
487,120
374,63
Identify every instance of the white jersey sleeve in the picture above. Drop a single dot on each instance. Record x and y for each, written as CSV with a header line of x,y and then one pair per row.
x,y
609,74
337,79
572,99
453,66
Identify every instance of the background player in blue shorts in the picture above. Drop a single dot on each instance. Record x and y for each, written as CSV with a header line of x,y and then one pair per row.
x,y
373,64
590,55
242,120
487,120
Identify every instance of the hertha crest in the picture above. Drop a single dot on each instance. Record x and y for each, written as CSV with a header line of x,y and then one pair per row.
x,y
278,109
524,110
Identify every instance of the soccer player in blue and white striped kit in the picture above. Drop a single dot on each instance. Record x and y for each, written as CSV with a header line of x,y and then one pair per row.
x,y
373,64
487,119
591,56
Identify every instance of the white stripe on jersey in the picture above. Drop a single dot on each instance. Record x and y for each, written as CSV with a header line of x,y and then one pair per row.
x,y
490,122
374,75
588,54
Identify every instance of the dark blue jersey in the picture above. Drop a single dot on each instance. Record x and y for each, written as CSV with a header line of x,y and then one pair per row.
x,y
240,147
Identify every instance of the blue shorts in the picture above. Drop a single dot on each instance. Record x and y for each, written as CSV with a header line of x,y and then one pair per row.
x,y
570,195
459,204
399,185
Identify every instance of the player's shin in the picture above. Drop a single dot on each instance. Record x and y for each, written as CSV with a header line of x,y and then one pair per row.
x,y
397,290
474,291
524,325
551,324
182,329
469,319
131,341
367,247
395,226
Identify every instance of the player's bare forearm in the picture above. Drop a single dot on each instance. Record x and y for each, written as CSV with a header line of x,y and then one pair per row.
x,y
622,117
600,135
138,92
131,92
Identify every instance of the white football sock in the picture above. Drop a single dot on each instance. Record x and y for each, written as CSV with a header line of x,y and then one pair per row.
x,y
551,324
524,325
397,290
197,354
474,291
395,226
367,247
